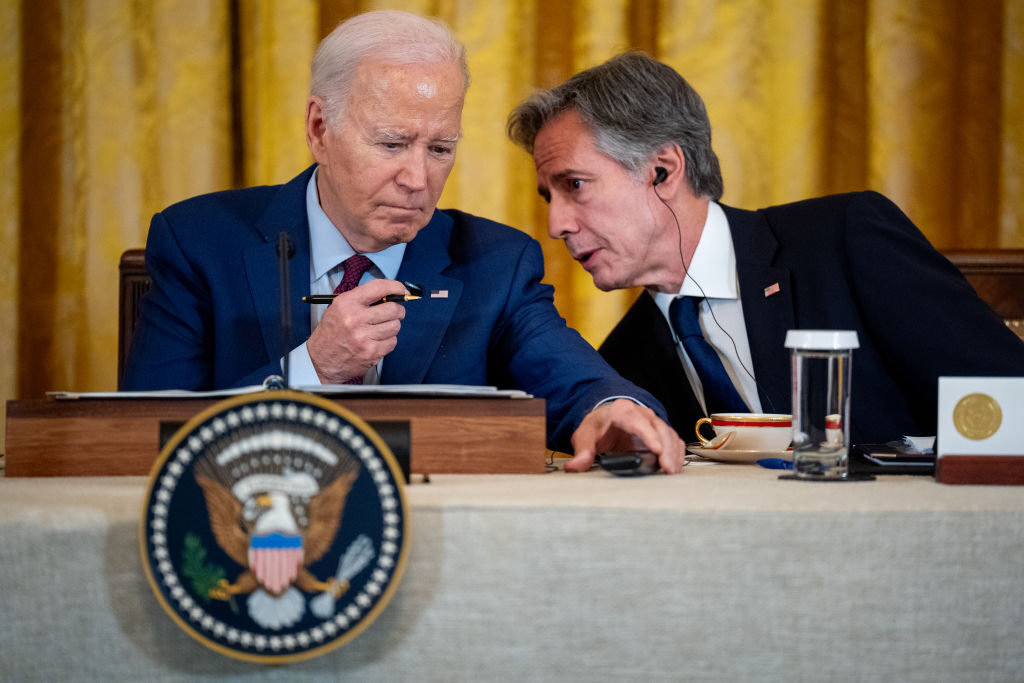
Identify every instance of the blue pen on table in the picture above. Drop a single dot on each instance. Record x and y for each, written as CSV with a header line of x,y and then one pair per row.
x,y
776,463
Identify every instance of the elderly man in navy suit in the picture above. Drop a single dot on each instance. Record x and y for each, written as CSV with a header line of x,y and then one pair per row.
x,y
382,123
624,158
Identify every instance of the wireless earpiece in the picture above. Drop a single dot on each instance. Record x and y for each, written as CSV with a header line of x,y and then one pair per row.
x,y
659,175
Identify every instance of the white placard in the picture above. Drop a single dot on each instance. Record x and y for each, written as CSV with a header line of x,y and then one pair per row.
x,y
981,416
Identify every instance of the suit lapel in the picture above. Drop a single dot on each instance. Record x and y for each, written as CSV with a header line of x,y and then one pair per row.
x,y
287,212
423,328
655,362
767,296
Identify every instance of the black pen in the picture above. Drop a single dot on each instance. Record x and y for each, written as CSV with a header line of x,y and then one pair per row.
x,y
390,298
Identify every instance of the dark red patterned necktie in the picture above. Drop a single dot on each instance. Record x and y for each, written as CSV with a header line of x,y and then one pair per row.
x,y
355,267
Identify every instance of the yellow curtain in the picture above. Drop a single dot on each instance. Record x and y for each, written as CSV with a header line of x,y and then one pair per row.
x,y
112,110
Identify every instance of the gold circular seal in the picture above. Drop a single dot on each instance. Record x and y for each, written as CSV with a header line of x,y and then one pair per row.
x,y
977,416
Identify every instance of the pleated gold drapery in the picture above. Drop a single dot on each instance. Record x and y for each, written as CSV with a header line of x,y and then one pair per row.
x,y
111,110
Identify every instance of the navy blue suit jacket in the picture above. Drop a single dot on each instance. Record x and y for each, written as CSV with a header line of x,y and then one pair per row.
x,y
212,318
852,262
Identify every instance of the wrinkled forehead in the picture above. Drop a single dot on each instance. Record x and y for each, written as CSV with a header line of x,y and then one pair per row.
x,y
424,78
563,141
427,97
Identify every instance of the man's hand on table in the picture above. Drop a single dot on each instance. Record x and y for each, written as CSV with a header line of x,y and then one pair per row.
x,y
622,425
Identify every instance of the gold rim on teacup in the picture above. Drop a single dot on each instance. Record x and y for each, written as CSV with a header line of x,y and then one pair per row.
x,y
741,420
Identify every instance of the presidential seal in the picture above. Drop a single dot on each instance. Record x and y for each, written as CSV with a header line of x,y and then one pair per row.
x,y
977,416
274,527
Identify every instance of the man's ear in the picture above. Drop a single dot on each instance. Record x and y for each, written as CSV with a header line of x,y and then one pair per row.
x,y
316,126
668,168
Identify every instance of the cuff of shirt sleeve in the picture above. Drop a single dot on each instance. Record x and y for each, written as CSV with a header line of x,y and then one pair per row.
x,y
301,369
614,398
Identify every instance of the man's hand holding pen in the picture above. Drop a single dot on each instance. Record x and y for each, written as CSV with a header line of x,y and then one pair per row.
x,y
355,332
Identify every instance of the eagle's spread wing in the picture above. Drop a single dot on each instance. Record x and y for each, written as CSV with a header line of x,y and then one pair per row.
x,y
325,517
225,519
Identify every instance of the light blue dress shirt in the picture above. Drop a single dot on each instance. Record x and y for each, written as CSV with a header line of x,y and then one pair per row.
x,y
329,249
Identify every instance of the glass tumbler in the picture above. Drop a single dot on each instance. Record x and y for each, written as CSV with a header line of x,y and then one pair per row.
x,y
821,362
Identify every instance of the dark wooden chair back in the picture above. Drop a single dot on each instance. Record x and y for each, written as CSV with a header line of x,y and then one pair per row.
x,y
997,275
134,282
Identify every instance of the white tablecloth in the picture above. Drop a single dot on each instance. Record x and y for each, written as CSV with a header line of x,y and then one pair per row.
x,y
724,573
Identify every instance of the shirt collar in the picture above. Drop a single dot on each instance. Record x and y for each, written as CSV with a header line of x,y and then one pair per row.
x,y
330,248
713,264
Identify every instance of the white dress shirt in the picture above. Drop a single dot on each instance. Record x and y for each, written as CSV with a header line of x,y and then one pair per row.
x,y
712,277
329,249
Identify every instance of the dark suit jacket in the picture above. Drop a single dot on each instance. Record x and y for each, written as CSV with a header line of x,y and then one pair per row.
x,y
852,262
212,318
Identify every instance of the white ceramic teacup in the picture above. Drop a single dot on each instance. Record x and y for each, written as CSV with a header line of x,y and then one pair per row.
x,y
768,432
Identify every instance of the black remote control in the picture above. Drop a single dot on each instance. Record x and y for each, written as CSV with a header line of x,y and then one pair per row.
x,y
629,463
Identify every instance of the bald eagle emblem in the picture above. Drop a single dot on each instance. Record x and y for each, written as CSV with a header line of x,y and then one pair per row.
x,y
275,521
274,526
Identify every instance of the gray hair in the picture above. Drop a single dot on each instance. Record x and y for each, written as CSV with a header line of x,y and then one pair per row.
x,y
633,106
389,36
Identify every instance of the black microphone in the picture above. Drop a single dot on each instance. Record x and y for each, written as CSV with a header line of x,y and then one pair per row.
x,y
285,251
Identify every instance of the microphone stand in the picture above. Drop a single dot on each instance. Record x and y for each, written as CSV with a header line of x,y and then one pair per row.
x,y
285,251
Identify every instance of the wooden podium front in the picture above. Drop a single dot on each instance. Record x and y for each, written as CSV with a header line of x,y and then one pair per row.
x,y
116,437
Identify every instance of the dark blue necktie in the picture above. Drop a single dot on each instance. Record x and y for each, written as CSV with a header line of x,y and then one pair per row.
x,y
720,396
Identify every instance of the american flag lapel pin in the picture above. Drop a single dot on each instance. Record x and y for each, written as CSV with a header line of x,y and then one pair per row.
x,y
773,288
439,294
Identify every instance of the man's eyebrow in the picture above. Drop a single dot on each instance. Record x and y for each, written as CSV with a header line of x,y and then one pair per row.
x,y
392,135
563,174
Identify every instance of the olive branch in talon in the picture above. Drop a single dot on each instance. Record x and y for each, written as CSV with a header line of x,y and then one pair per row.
x,y
208,580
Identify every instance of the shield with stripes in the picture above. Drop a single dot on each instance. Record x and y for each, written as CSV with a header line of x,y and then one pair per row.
x,y
275,559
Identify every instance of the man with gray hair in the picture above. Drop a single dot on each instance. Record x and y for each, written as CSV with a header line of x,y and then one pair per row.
x,y
624,159
382,123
